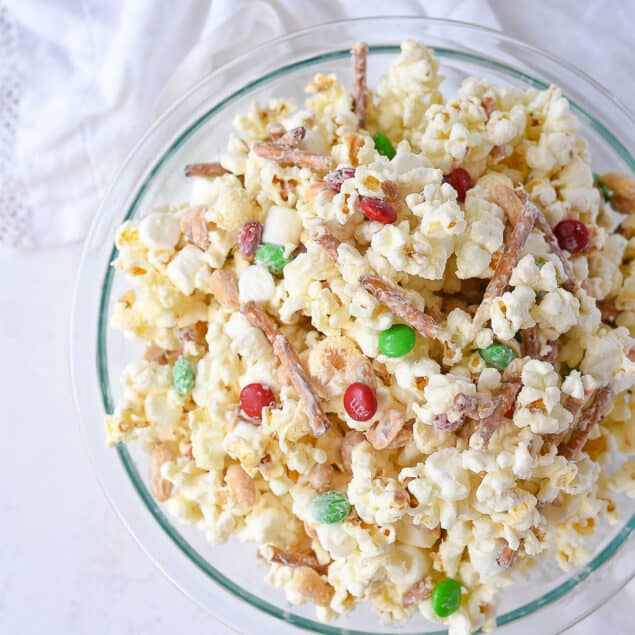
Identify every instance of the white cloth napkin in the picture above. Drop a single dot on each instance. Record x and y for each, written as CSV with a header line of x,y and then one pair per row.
x,y
80,81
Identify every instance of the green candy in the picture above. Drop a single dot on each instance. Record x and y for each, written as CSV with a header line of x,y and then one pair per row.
x,y
446,597
183,376
383,145
606,193
518,337
498,355
330,507
397,341
272,256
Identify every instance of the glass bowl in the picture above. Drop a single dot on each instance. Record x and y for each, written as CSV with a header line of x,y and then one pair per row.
x,y
226,579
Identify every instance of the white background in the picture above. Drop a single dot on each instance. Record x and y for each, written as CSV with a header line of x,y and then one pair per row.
x,y
66,563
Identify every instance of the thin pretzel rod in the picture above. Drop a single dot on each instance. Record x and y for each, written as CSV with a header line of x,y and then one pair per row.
x,y
208,170
292,138
293,559
418,592
531,341
397,302
552,355
512,201
477,406
574,406
486,427
531,346
360,93
511,204
291,363
294,156
590,417
511,255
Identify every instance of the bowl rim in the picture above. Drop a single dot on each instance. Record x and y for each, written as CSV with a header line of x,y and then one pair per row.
x,y
177,140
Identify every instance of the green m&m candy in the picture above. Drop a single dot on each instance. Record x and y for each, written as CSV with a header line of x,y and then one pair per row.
x,y
446,597
498,355
272,256
330,507
183,376
383,145
397,341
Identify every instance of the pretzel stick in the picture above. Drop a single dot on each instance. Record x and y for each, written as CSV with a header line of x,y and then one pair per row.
x,y
486,427
477,406
397,302
574,406
531,341
418,592
511,255
360,94
552,355
589,419
531,346
294,156
208,170
293,559
292,138
290,362
441,422
512,203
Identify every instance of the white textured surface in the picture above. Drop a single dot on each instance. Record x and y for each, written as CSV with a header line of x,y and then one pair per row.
x,y
66,563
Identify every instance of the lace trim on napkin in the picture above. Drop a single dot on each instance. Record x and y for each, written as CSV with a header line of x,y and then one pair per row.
x,y
14,212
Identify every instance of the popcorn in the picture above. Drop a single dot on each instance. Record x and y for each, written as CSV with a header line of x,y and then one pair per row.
x,y
556,312
443,496
511,312
539,399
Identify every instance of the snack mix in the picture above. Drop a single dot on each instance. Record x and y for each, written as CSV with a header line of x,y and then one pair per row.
x,y
389,340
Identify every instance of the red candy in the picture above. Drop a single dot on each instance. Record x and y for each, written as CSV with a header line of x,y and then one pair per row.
x,y
335,179
461,181
360,402
249,238
377,209
572,235
510,413
254,397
